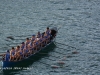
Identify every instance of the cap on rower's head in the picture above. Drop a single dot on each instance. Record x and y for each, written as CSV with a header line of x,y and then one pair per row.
x,y
22,43
33,35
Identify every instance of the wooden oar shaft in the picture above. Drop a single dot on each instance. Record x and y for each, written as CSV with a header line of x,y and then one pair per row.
x,y
2,54
66,45
60,48
61,44
22,35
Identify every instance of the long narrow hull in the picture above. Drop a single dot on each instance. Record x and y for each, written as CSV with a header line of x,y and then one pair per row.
x,y
10,64
31,58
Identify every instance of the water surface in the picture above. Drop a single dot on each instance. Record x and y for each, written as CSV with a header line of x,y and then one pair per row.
x,y
80,30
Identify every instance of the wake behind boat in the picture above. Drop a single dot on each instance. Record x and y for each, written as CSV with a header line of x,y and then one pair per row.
x,y
44,41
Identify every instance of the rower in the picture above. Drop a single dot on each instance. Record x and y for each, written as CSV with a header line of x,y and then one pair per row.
x,y
38,34
35,43
48,31
20,53
34,47
30,45
27,41
12,54
22,45
30,48
46,38
33,38
7,56
41,41
26,51
17,54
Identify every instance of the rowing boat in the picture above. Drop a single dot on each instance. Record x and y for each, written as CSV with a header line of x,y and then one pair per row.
x,y
9,64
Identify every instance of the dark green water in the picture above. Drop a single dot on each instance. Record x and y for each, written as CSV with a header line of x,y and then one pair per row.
x,y
80,31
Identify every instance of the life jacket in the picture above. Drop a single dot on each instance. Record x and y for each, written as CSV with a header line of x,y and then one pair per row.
x,y
38,35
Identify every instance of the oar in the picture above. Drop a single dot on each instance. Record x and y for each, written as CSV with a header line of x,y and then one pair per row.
x,y
60,48
46,63
59,53
65,45
22,35
60,27
61,43
54,56
2,54
35,33
49,59
25,35
42,53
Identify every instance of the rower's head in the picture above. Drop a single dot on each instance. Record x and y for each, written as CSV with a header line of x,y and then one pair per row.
x,y
22,43
38,32
18,47
13,48
7,51
27,39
